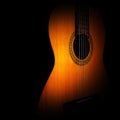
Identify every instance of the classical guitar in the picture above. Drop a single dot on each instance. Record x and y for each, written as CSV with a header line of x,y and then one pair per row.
x,y
77,38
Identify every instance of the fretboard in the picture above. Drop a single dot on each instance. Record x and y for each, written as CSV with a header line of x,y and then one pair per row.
x,y
81,20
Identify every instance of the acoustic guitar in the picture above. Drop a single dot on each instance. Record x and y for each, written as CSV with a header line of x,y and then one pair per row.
x,y
77,37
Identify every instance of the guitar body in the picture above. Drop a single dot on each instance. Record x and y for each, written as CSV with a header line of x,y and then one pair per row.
x,y
70,81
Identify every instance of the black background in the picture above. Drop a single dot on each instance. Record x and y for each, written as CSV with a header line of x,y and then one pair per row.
x,y
33,57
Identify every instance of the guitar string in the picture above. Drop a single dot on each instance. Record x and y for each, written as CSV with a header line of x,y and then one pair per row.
x,y
85,38
82,31
79,41
83,45
80,49
83,35
84,23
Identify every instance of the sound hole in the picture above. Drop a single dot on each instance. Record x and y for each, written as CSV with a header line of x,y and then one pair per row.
x,y
81,46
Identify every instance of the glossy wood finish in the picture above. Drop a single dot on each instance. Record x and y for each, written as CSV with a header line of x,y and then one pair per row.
x,y
69,81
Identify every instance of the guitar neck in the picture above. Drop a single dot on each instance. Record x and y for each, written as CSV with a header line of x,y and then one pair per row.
x,y
82,20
